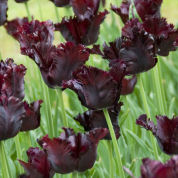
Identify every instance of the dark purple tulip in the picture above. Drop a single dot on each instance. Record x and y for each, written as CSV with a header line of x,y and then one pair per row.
x,y
31,119
166,132
56,63
85,9
165,35
81,31
11,113
12,26
123,10
21,1
95,119
138,48
155,169
96,88
3,12
37,166
13,79
61,3
148,8
73,152
128,85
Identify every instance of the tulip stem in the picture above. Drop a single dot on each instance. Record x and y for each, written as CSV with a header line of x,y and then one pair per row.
x,y
4,162
111,166
114,140
159,89
64,118
28,11
147,110
19,151
57,13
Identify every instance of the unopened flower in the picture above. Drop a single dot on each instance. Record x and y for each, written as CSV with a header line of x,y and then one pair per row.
x,y
95,119
156,169
56,63
166,132
123,10
3,12
96,89
81,31
148,8
37,166
72,152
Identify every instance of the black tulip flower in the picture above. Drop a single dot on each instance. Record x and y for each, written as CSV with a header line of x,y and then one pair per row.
x,y
73,152
31,119
95,119
96,89
3,12
123,10
13,79
148,8
12,26
81,31
21,1
61,3
138,48
56,63
166,132
165,35
155,169
37,166
11,114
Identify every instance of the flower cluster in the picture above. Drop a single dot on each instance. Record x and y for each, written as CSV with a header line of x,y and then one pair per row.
x,y
15,114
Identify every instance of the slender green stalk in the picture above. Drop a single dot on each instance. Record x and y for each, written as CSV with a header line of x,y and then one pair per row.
x,y
147,110
28,11
114,140
4,162
111,166
159,89
57,13
63,113
19,151
28,137
75,175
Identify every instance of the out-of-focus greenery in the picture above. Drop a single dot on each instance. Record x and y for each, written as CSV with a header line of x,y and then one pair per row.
x,y
134,143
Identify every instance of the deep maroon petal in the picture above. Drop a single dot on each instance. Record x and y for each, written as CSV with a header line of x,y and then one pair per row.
x,y
73,153
81,31
95,119
128,85
148,8
38,165
165,35
84,9
61,3
12,26
155,169
31,119
138,48
66,58
11,113
3,12
21,1
96,89
123,10
13,75
166,132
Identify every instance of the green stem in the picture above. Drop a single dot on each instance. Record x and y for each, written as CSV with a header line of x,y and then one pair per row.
x,y
114,140
147,110
19,151
57,13
75,175
159,89
28,137
28,11
63,113
111,166
4,162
